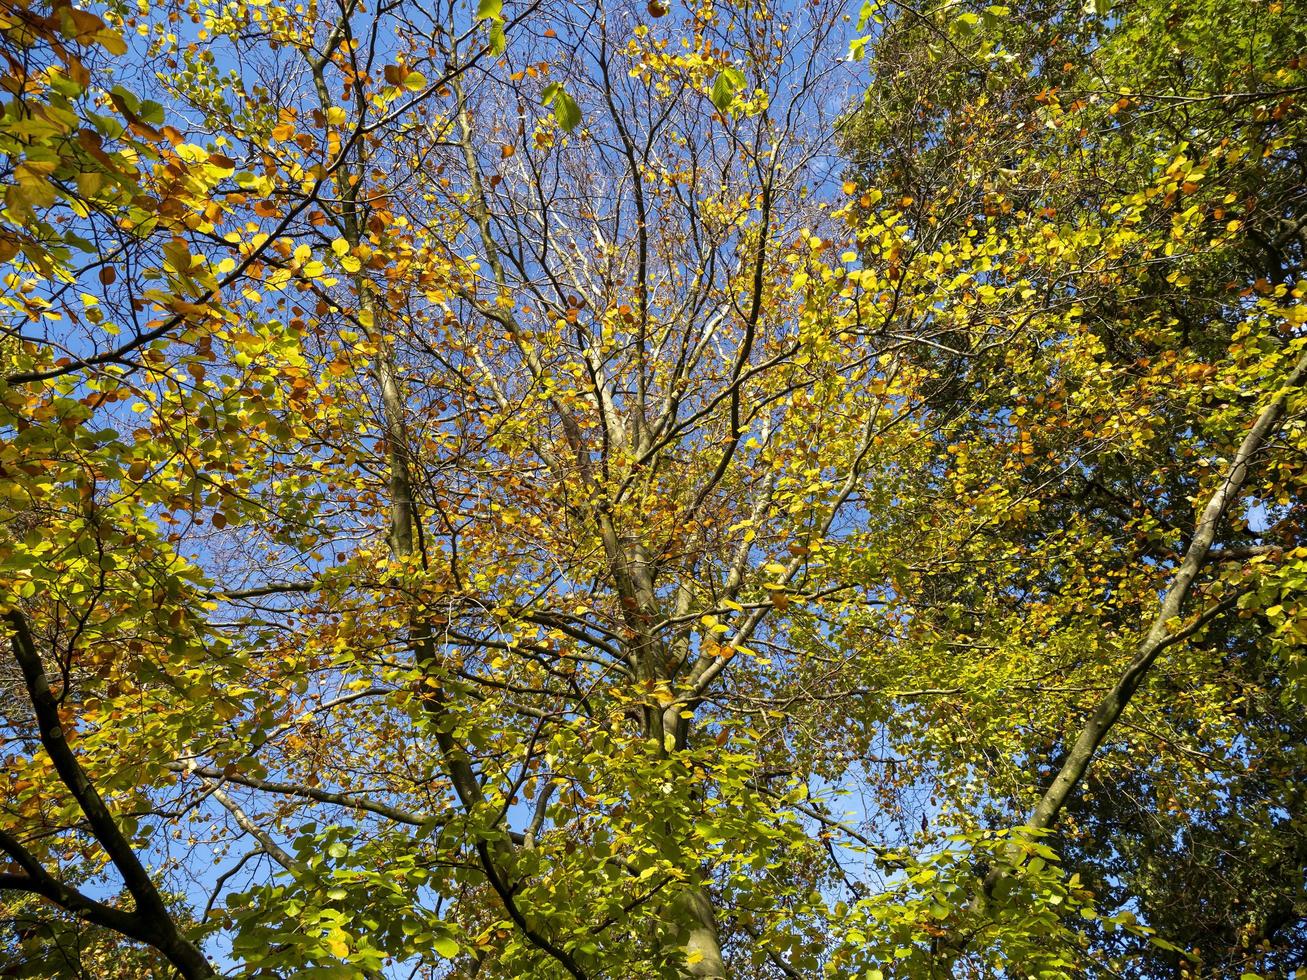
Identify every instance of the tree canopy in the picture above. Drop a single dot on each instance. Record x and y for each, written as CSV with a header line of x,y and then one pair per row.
x,y
519,488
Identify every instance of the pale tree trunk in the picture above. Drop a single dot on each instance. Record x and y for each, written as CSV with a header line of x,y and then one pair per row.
x,y
629,568
1161,634
702,947
497,858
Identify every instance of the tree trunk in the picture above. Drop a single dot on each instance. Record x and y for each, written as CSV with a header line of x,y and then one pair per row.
x,y
702,947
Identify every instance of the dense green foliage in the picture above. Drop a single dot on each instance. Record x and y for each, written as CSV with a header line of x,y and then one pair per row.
x,y
1182,122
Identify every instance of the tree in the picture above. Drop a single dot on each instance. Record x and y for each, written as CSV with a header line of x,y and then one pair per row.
x,y
1088,117
481,481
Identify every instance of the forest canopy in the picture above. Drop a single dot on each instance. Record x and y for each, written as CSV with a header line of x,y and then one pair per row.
x,y
522,488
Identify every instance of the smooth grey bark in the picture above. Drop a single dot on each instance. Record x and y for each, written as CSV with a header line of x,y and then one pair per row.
x,y
703,947
630,570
1160,636
1109,708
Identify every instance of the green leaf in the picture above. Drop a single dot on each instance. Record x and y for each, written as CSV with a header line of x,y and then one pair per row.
x,y
566,111
866,14
498,39
729,82
490,9
445,946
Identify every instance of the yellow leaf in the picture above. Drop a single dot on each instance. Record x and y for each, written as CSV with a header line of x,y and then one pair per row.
x,y
177,256
89,183
111,41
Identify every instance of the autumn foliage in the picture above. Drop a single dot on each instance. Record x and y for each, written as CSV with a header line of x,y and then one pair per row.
x,y
532,489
